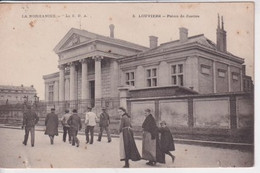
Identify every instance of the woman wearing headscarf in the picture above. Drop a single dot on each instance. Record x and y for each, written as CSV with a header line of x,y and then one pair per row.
x,y
128,149
151,147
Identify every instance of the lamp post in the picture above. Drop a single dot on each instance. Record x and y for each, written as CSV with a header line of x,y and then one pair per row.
x,y
36,100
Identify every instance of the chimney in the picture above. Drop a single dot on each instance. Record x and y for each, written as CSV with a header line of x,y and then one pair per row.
x,y
183,34
112,27
153,41
221,36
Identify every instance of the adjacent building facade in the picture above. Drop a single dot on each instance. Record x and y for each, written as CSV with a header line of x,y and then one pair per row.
x,y
93,67
16,94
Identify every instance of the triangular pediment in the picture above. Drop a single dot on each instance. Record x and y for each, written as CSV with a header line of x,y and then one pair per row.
x,y
73,38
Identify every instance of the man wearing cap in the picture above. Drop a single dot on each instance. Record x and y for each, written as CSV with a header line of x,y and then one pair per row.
x,y
30,118
90,122
66,127
103,124
74,122
51,123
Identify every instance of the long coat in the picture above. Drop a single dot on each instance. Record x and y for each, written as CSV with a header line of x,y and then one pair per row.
x,y
166,142
151,147
51,123
128,149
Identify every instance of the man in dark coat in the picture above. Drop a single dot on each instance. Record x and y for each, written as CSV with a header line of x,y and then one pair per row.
x,y
104,124
151,147
30,118
51,123
166,142
75,124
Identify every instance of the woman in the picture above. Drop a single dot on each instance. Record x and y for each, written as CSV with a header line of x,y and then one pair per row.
x,y
51,123
151,147
128,149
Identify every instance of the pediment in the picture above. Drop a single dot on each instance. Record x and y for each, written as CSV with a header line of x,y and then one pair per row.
x,y
74,40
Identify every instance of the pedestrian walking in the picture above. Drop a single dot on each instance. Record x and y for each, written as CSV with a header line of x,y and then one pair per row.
x,y
104,121
66,127
128,149
30,119
166,140
51,123
150,145
90,123
74,122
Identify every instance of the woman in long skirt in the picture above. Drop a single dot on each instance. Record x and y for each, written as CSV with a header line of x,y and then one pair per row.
x,y
128,149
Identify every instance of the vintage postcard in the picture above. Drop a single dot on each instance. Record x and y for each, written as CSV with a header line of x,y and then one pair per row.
x,y
127,85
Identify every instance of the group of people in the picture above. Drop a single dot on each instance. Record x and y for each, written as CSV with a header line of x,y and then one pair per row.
x,y
71,125
153,147
157,141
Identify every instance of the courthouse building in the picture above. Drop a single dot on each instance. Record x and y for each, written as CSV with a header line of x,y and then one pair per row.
x,y
93,67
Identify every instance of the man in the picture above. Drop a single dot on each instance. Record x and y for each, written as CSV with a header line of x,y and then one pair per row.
x,y
51,123
30,118
104,123
90,122
151,147
66,127
74,122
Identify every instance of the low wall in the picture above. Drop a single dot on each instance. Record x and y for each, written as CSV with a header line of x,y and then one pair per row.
x,y
225,117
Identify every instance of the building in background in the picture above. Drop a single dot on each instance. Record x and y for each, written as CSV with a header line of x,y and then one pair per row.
x,y
17,94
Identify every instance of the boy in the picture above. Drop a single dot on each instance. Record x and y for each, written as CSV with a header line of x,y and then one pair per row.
x,y
166,142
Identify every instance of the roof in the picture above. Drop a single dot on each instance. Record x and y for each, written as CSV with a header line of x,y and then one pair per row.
x,y
199,39
11,87
93,37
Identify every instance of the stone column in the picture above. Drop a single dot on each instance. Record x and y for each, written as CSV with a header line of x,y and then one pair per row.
x,y
214,78
61,83
114,78
72,81
84,82
47,91
98,89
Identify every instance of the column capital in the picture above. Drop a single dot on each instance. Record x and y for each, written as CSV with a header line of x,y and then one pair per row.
x,y
71,63
97,58
61,66
83,61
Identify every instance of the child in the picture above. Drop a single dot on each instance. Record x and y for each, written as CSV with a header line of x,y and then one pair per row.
x,y
166,142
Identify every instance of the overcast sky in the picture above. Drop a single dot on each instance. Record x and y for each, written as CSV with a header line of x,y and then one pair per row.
x,y
26,47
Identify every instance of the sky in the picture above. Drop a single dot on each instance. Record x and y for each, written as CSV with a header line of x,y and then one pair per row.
x,y
27,43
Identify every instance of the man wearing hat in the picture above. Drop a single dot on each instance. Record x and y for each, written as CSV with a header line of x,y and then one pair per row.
x,y
74,122
30,118
51,123
90,122
103,124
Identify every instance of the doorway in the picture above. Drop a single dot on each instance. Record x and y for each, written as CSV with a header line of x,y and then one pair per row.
x,y
92,92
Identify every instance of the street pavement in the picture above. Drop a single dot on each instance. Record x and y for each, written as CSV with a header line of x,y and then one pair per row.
x,y
14,154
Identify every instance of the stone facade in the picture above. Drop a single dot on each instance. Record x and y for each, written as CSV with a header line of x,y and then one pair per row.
x,y
16,94
93,67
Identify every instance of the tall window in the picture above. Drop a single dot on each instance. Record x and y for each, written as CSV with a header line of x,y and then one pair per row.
x,y
235,76
151,77
130,78
51,93
177,74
